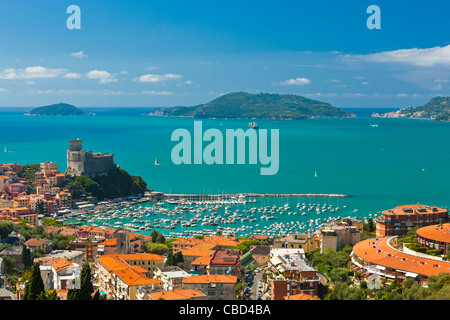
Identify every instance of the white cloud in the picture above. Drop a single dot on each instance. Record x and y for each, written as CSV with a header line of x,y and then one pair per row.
x,y
420,57
31,73
158,93
102,75
295,82
188,82
79,54
72,75
3,90
154,78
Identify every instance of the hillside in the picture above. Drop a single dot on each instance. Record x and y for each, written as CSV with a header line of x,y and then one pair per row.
x,y
257,106
60,109
437,108
117,183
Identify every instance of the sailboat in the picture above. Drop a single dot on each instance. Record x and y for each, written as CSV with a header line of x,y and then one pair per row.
x,y
156,162
6,150
315,174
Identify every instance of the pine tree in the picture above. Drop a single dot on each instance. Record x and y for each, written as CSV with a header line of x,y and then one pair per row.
x,y
86,287
35,285
26,256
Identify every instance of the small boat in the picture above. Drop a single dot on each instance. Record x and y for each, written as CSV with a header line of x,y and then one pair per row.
x,y
156,162
253,125
6,150
315,174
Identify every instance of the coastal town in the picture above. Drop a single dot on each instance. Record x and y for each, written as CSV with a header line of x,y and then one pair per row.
x,y
49,251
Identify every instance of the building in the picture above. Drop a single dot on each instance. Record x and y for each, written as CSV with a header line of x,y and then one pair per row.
x,y
171,276
80,161
435,237
226,262
178,295
401,219
48,166
302,296
59,273
37,244
379,257
303,241
215,287
263,239
261,254
335,237
293,274
75,257
127,276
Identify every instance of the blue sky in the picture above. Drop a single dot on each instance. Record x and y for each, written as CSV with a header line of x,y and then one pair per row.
x,y
165,53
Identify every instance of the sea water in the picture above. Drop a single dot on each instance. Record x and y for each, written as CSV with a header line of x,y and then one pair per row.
x,y
378,163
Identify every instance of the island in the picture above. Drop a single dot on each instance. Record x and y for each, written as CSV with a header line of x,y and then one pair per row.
x,y
60,109
437,109
257,106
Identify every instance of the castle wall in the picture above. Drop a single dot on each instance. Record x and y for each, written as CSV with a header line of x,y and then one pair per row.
x,y
79,161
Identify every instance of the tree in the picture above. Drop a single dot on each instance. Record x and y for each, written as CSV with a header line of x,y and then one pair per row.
x,y
34,286
154,236
26,256
86,288
6,227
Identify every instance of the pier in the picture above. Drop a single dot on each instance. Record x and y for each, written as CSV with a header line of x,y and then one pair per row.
x,y
248,195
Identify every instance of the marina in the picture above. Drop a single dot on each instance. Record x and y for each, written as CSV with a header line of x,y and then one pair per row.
x,y
236,215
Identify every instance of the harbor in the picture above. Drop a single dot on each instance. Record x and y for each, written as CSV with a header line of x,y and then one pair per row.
x,y
238,214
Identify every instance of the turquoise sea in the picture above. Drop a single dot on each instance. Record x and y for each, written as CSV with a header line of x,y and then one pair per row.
x,y
398,162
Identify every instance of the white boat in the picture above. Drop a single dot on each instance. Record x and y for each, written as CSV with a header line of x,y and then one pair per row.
x,y
315,174
6,150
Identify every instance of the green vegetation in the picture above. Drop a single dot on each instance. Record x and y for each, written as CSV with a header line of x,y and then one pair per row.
x,y
410,241
34,286
245,245
60,109
86,288
437,108
115,184
259,106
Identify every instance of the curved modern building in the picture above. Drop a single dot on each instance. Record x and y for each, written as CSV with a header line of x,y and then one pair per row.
x,y
380,257
435,237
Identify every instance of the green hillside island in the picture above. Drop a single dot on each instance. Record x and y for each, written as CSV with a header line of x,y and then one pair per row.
x,y
437,108
257,106
60,109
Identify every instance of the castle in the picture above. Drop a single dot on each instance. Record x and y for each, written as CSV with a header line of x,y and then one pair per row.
x,y
80,161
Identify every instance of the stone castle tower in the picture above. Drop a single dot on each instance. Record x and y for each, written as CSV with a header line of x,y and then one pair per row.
x,y
92,164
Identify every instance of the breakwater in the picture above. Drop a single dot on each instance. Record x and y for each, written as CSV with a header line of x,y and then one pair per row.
x,y
249,195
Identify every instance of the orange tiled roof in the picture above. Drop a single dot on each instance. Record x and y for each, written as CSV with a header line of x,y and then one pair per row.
x,y
301,296
133,277
176,294
61,264
202,261
436,232
140,256
34,242
209,278
414,209
378,252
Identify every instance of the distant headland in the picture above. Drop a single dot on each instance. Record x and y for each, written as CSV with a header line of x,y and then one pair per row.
x,y
59,109
257,106
437,109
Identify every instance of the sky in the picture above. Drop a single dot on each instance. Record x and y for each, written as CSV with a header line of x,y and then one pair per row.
x,y
177,52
